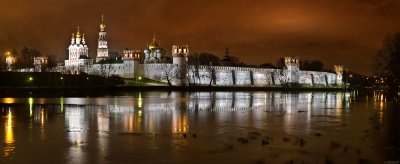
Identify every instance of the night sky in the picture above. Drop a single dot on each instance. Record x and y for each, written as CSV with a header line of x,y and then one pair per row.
x,y
347,32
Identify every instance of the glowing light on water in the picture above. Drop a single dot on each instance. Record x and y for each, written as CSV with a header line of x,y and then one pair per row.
x,y
9,138
140,100
9,100
62,104
30,100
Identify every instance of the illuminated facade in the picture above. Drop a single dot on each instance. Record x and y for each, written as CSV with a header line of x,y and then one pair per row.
x,y
78,51
150,64
153,53
40,63
102,48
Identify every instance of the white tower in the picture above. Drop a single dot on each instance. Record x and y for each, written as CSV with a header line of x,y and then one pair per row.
x,y
102,49
292,67
339,74
131,63
180,54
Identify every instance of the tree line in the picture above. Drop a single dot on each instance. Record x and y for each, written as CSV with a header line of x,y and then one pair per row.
x,y
24,58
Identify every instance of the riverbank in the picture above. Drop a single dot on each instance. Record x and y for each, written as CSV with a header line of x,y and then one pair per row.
x,y
109,90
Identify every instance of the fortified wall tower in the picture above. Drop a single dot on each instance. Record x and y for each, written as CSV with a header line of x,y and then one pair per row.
x,y
131,63
180,54
293,70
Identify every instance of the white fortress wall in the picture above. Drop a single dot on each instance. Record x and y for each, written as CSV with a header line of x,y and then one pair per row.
x,y
317,78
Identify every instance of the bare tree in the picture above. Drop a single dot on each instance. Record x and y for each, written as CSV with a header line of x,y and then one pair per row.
x,y
209,73
168,72
106,70
181,73
283,77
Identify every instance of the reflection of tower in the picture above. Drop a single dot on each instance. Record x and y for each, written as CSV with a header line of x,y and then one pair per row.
x,y
77,125
292,66
179,121
102,48
339,74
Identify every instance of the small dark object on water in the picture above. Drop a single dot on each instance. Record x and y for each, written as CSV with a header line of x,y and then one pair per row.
x,y
253,135
264,142
344,124
328,161
300,111
243,140
269,138
318,134
363,161
358,151
345,148
302,142
334,145
377,127
184,135
366,131
285,139
194,135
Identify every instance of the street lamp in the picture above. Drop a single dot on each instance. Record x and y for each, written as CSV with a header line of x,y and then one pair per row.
x,y
9,60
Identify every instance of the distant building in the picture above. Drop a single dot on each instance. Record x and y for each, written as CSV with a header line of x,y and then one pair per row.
x,y
40,63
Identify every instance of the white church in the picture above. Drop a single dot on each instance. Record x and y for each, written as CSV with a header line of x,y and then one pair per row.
x,y
149,64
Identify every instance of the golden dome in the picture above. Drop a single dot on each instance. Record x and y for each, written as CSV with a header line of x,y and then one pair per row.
x,y
153,45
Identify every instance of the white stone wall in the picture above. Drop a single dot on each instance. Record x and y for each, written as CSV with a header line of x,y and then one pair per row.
x,y
224,76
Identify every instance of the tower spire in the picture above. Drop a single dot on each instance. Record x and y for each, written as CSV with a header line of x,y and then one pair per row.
x,y
78,33
73,38
226,51
102,25
154,37
83,38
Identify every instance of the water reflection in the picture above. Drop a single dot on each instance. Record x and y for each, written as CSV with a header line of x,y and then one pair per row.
x,y
9,135
88,123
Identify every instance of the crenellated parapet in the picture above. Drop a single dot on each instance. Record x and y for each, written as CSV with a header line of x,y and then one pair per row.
x,y
292,61
130,54
180,54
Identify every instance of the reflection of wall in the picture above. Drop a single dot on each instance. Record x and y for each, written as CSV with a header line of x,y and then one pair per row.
x,y
157,109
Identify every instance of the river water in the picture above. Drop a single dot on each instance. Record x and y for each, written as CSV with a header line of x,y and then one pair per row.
x,y
198,127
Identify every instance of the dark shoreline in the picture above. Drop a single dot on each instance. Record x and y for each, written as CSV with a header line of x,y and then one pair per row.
x,y
107,90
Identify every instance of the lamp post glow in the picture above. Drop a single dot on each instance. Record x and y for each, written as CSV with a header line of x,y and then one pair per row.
x,y
9,60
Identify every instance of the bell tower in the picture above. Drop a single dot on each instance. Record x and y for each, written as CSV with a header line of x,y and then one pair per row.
x,y
102,48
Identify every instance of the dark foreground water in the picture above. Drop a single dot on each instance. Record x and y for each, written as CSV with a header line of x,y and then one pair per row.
x,y
214,127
